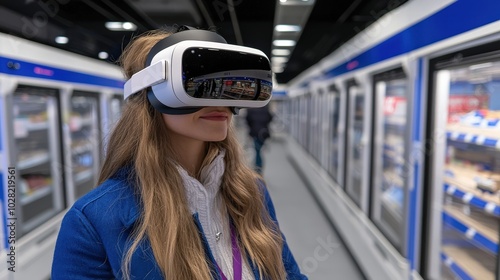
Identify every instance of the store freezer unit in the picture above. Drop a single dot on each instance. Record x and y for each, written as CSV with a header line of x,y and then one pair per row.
x,y
36,156
390,161
466,166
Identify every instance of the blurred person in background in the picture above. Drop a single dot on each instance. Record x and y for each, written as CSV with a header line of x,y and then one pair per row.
x,y
258,120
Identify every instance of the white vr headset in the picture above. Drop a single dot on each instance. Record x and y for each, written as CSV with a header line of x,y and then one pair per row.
x,y
194,68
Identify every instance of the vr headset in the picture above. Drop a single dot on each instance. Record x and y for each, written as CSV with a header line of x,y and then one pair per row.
x,y
193,68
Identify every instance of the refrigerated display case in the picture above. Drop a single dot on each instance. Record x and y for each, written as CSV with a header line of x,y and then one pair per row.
x,y
85,143
391,136
36,156
466,182
357,145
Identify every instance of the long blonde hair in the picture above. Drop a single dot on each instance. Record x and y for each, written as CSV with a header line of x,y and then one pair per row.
x,y
140,139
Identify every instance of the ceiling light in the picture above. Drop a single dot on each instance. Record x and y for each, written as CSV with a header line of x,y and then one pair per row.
x,y
281,52
103,55
62,40
282,1
278,69
287,28
284,43
279,59
120,26
278,64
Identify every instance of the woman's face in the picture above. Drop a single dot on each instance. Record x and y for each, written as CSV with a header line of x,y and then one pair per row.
x,y
207,124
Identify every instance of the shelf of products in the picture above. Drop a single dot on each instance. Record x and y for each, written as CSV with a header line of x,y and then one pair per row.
x,y
84,175
482,234
84,128
36,194
463,264
472,199
34,186
471,181
33,158
79,147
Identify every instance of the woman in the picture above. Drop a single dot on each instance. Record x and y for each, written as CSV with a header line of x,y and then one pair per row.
x,y
176,201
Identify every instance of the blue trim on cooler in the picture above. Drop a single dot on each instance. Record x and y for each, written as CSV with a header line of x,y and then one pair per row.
x,y
422,34
478,238
474,139
475,201
457,270
33,70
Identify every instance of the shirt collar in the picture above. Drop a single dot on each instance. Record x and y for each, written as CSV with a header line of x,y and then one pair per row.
x,y
211,177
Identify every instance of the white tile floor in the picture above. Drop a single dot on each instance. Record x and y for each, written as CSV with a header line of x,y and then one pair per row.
x,y
315,244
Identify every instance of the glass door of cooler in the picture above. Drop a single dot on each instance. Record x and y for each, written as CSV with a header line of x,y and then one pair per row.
x,y
336,155
389,184
466,179
303,121
85,143
325,128
357,146
293,117
36,156
314,125
115,109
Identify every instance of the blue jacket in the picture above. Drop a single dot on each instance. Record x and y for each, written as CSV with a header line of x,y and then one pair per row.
x,y
94,237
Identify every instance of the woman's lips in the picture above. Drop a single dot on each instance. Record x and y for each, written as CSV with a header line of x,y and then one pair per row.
x,y
215,116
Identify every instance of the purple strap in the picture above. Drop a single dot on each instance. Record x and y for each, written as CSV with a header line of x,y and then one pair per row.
x,y
237,266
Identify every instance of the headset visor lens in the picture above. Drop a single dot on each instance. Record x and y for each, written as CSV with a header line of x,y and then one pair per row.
x,y
223,74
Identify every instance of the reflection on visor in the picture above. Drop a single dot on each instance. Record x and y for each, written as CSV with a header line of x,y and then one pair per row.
x,y
222,74
237,88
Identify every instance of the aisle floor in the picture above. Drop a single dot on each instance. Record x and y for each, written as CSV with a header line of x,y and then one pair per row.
x,y
314,242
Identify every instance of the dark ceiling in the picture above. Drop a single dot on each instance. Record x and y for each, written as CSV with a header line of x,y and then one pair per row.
x,y
330,24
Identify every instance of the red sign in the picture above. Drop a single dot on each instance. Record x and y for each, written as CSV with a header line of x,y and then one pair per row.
x,y
459,105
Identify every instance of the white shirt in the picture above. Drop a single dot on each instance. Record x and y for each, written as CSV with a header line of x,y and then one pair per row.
x,y
205,199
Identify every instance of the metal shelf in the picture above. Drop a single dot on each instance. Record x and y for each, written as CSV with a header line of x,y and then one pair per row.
x,y
454,267
39,193
471,199
33,161
470,232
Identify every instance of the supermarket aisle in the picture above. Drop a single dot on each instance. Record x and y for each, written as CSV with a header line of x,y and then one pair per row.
x,y
315,244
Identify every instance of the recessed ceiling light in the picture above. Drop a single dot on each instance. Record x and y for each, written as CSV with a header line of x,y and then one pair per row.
x,y
282,1
284,43
278,69
278,64
62,40
279,59
120,26
281,52
103,55
287,28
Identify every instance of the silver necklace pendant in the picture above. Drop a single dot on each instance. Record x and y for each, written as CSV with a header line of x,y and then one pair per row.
x,y
217,236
